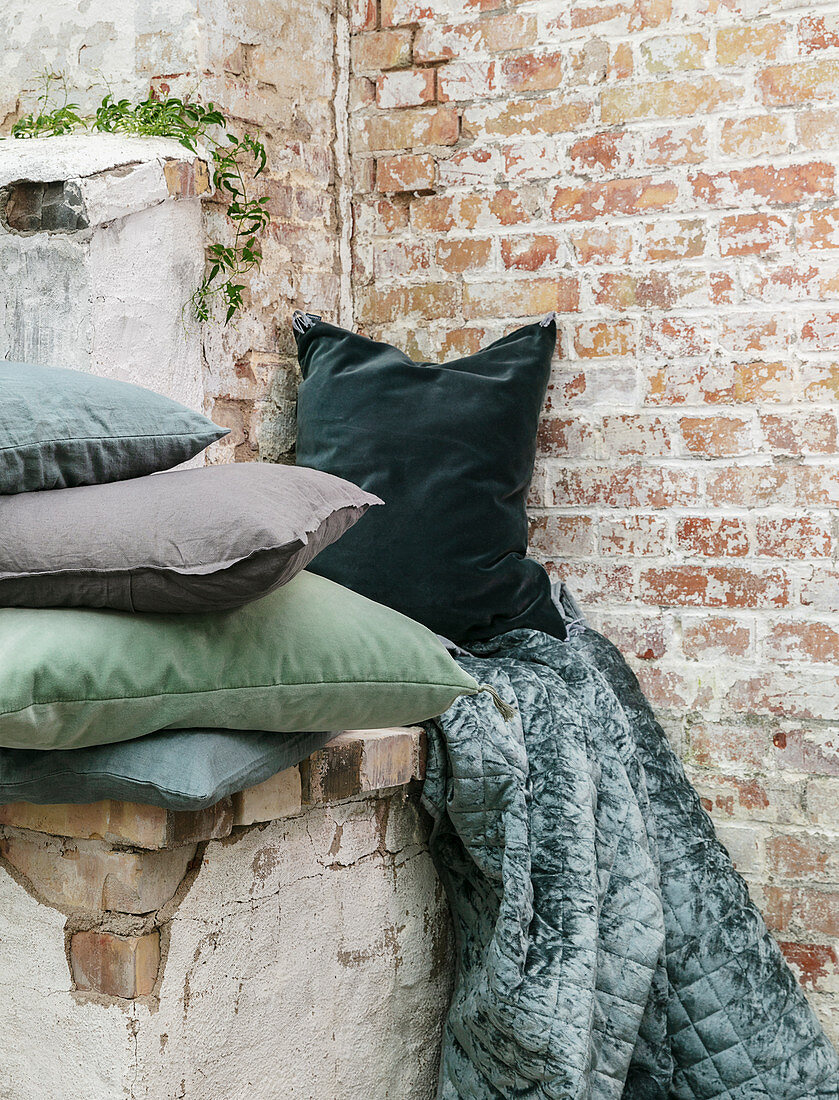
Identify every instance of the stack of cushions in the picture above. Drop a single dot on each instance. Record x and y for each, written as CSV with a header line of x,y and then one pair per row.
x,y
158,632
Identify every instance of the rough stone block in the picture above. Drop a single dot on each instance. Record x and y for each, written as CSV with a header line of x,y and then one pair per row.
x,y
279,796
360,761
89,875
117,966
117,822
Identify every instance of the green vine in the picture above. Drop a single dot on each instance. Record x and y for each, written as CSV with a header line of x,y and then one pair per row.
x,y
234,161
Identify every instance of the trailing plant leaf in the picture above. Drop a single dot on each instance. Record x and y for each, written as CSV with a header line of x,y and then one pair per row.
x,y
235,161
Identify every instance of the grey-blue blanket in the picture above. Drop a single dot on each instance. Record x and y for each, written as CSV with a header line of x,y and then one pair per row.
x,y
607,947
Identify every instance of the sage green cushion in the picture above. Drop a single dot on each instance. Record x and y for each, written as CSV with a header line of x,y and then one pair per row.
x,y
311,655
60,428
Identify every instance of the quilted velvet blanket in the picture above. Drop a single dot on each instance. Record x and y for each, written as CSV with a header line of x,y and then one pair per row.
x,y
607,947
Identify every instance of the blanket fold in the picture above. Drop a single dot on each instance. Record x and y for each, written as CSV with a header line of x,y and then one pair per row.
x,y
606,945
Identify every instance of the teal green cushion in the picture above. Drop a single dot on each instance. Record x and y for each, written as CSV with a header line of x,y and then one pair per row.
x,y
176,769
311,655
60,428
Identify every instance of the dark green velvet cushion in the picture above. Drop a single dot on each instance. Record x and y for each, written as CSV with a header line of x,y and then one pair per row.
x,y
450,449
60,428
176,769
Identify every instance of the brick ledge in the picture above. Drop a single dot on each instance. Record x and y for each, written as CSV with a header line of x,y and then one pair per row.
x,y
356,762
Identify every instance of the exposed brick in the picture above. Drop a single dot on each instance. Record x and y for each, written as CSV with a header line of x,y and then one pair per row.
x,y
601,244
466,80
624,487
406,173
802,694
620,16
716,435
759,135
715,586
526,116
395,259
362,15
567,536
789,908
626,196
531,252
559,436
131,823
656,290
360,761
812,963
89,875
741,46
426,300
408,128
531,72
796,183
441,213
715,636
817,128
631,536
602,153
644,637
675,145
667,99
387,49
674,336
604,339
669,53
711,537
636,434
470,254
800,435
727,745
674,240
115,966
521,298
817,229
277,797
794,538
788,640
493,34
801,82
752,234
405,88
818,32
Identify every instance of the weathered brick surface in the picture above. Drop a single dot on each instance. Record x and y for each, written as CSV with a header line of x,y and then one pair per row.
x,y
116,966
664,175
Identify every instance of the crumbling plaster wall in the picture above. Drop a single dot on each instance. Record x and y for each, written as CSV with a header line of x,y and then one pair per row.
x,y
305,957
278,66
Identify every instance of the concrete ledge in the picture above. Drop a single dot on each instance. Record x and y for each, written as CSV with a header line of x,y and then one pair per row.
x,y
116,869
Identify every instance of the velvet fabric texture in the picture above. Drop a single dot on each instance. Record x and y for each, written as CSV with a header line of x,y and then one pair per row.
x,y
311,655
186,541
176,769
450,449
606,945
60,428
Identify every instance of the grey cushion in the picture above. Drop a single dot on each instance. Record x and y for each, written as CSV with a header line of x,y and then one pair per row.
x,y
176,769
62,427
186,541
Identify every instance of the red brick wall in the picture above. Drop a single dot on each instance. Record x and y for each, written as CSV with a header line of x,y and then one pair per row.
x,y
662,173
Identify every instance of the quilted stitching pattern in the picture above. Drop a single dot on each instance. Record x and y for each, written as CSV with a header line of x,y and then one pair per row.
x,y
607,946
